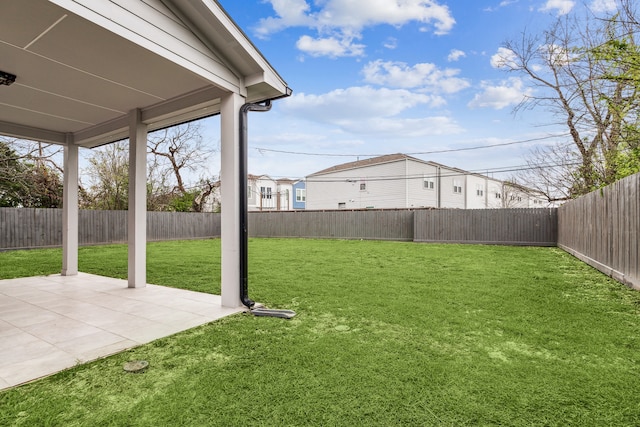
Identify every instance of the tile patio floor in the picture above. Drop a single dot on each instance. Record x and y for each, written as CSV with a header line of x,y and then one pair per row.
x,y
51,323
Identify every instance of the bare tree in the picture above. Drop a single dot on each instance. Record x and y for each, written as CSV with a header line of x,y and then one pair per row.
x,y
174,155
177,152
548,168
574,83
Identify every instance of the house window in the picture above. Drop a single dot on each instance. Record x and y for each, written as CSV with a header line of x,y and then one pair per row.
x,y
342,205
363,186
248,191
265,192
429,184
301,195
498,196
479,190
457,186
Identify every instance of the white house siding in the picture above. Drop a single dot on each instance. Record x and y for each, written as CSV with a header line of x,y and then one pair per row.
x,y
384,188
398,181
391,185
285,195
514,197
494,194
448,178
517,197
262,200
420,195
477,194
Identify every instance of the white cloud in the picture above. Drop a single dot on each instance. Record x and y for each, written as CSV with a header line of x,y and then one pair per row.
x,y
330,46
391,43
290,13
509,92
358,14
349,17
367,110
504,58
600,6
424,75
503,3
562,7
557,54
455,55
355,103
406,128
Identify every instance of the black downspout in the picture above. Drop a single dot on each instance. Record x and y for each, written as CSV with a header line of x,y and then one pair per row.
x,y
244,205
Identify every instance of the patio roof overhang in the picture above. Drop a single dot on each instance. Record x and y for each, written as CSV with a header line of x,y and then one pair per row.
x,y
81,66
91,72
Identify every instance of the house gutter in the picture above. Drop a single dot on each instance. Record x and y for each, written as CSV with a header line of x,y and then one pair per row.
x,y
244,210
244,204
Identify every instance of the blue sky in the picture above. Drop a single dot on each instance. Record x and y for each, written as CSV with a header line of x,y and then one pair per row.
x,y
372,77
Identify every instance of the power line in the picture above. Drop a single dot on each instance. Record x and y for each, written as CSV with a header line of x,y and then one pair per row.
x,y
451,150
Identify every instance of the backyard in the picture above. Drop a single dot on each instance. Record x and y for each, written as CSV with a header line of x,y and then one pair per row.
x,y
386,333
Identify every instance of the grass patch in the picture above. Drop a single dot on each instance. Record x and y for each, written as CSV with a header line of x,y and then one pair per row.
x,y
387,333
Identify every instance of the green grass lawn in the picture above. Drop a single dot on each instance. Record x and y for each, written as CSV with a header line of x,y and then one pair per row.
x,y
387,333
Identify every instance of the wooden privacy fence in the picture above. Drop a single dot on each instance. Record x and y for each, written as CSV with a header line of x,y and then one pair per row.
x,y
603,229
527,227
359,224
23,228
37,228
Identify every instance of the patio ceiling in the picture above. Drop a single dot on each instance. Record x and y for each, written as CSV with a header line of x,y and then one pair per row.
x,y
81,66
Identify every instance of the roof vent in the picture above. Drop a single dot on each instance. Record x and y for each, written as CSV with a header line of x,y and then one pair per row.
x,y
6,78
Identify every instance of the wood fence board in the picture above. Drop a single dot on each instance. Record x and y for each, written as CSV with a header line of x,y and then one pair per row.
x,y
603,229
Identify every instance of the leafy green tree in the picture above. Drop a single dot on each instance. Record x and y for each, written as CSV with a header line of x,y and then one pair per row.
x,y
12,186
108,174
621,53
585,72
27,180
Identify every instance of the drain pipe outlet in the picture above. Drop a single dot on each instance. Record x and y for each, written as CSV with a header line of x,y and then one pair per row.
x,y
244,205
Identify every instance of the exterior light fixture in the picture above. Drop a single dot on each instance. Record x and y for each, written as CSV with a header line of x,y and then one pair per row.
x,y
6,78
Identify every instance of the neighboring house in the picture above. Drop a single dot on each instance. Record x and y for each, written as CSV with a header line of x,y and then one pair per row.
x,y
284,201
213,202
483,192
517,196
267,194
261,192
299,195
400,181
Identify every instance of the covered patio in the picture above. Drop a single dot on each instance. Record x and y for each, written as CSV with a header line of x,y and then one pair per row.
x,y
52,323
84,73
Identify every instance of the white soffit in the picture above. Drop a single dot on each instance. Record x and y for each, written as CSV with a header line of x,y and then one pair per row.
x,y
82,65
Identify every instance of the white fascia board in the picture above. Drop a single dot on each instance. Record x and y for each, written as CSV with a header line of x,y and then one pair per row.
x,y
111,131
32,133
266,74
146,35
203,102
195,105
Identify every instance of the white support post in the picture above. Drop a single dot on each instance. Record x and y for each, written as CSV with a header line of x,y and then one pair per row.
x,y
229,185
70,210
137,214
